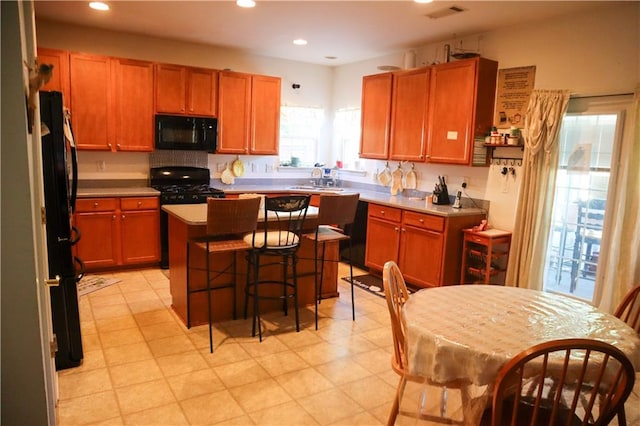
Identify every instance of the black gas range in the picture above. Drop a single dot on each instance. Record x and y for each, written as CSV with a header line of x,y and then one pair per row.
x,y
179,185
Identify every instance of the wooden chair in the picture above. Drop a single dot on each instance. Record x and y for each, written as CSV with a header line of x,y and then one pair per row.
x,y
280,236
563,382
336,214
396,294
228,220
629,309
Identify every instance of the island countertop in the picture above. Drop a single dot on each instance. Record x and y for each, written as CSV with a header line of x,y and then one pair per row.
x,y
196,214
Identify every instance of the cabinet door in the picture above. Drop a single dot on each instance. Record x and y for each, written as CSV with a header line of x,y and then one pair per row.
x,y
234,112
418,268
91,103
133,105
409,114
60,79
140,236
265,115
376,116
203,87
98,245
171,89
383,239
452,112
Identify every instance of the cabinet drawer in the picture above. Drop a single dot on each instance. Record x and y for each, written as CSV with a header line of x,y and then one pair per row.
x,y
426,221
384,212
139,203
96,204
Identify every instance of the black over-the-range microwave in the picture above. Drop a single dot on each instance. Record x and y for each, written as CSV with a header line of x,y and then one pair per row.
x,y
187,133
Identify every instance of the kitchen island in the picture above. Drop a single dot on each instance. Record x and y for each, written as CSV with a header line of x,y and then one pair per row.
x,y
189,220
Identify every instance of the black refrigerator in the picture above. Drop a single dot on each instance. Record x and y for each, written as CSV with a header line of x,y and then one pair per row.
x,y
60,176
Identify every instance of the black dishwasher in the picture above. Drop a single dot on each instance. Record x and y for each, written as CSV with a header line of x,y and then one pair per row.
x,y
358,237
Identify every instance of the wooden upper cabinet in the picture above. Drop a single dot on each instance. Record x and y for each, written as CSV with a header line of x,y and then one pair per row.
x,y
171,89
409,114
248,113
265,115
133,105
60,79
376,116
461,106
203,87
186,90
234,112
91,101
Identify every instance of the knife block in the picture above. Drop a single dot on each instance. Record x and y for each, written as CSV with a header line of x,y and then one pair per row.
x,y
442,197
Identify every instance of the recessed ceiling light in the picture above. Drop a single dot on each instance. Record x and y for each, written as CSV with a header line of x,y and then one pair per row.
x,y
246,3
299,42
423,1
331,57
98,5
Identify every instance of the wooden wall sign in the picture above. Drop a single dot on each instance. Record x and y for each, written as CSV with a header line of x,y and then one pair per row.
x,y
512,98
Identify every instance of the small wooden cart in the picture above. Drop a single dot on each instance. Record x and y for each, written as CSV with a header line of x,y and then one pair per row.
x,y
485,256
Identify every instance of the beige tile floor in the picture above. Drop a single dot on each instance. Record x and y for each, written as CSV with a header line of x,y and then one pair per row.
x,y
142,366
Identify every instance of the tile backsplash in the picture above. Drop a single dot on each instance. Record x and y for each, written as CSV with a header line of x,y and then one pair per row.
x,y
178,158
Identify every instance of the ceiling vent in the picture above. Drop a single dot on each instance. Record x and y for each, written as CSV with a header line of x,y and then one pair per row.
x,y
445,12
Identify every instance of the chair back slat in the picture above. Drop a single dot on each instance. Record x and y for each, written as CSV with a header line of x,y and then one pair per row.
x,y
290,212
227,216
396,294
576,382
629,309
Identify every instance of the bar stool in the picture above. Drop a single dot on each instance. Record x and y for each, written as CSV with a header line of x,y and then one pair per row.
x,y
336,214
228,220
286,214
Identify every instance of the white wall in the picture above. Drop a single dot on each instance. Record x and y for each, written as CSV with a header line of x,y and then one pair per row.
x,y
591,53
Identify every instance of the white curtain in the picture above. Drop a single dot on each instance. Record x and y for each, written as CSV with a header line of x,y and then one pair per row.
x,y
533,214
619,271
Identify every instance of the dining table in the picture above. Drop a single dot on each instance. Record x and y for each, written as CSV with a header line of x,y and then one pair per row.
x,y
464,334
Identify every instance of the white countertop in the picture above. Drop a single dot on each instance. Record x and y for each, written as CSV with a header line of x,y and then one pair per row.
x,y
369,196
377,197
137,191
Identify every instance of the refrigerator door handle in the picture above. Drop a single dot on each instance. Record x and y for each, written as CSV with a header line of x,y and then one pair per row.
x,y
68,133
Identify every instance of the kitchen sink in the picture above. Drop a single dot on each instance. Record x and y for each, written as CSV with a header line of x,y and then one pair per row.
x,y
316,188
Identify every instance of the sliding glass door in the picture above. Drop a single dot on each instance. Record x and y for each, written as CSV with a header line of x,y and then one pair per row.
x,y
589,139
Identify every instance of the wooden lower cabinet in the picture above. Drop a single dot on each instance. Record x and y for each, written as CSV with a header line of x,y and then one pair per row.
x,y
117,231
383,236
140,226
426,247
421,247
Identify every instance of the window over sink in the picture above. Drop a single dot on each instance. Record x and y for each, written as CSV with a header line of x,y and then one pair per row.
x,y
300,129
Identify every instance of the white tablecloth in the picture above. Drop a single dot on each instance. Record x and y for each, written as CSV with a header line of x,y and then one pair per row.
x,y
469,332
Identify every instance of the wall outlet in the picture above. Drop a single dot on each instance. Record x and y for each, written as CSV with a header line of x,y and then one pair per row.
x,y
465,181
